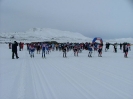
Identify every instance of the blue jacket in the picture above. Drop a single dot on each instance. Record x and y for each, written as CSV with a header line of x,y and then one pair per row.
x,y
32,49
43,48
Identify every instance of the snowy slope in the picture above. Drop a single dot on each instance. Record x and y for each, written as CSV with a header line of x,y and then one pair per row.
x,y
109,77
44,34
47,34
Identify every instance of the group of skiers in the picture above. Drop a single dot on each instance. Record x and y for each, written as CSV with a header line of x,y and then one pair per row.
x,y
125,46
77,48
64,47
45,48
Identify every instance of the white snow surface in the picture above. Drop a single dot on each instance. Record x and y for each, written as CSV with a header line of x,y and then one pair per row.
x,y
107,77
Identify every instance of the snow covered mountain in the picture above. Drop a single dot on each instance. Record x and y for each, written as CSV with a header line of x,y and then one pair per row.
x,y
47,34
44,34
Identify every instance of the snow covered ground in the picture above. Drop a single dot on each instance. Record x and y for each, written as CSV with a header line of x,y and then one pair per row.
x,y
109,77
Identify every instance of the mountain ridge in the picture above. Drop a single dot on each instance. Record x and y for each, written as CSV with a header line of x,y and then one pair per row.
x,y
48,34
44,34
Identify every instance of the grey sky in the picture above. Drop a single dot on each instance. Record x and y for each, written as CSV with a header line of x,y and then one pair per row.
x,y
93,18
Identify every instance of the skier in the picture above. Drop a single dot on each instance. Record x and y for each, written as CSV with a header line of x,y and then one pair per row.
x,y
43,50
64,51
38,48
126,50
115,47
100,50
107,46
47,48
120,46
75,50
32,49
90,48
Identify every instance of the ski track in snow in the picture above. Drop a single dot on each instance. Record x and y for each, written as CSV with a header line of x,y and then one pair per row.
x,y
43,81
102,83
106,85
55,77
78,86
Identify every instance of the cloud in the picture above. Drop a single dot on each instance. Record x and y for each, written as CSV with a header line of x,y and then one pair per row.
x,y
106,18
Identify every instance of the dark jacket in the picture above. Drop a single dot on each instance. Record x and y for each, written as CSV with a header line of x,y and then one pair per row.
x,y
14,47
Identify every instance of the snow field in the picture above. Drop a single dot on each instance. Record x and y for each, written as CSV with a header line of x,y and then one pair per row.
x,y
107,77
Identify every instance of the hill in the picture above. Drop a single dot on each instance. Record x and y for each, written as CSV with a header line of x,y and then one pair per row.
x,y
48,34
44,34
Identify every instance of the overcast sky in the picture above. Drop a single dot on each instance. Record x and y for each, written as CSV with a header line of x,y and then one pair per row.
x,y
92,18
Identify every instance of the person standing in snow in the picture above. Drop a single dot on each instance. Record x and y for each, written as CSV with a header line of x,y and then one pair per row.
x,y
100,50
107,46
47,48
90,48
38,48
32,50
75,50
120,46
64,49
43,50
126,50
115,47
14,50
10,45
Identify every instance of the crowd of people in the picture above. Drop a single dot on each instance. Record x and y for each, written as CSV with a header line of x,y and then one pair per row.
x,y
64,47
46,48
125,46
